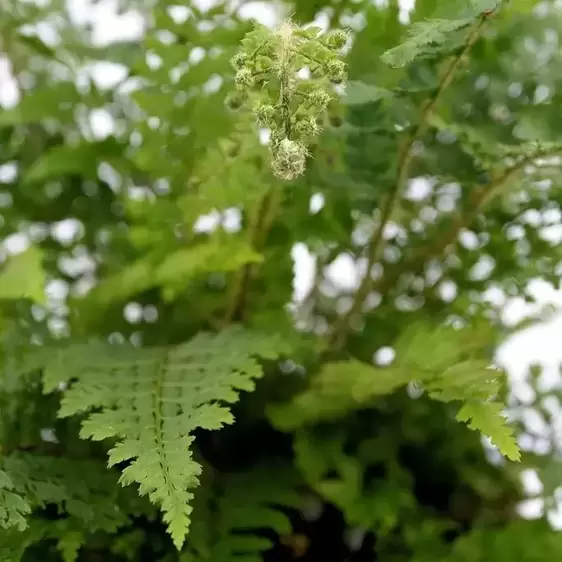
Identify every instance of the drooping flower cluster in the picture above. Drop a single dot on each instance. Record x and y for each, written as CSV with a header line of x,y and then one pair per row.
x,y
268,76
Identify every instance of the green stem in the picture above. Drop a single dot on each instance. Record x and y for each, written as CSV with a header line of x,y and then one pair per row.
x,y
310,58
284,102
259,226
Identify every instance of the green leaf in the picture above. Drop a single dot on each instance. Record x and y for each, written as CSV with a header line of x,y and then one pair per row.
x,y
44,480
36,45
454,370
81,159
13,507
176,270
484,5
358,93
42,103
23,277
220,255
487,418
69,545
420,35
338,388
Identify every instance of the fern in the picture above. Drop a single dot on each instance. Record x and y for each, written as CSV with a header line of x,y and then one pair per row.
x,y
14,543
13,507
484,5
151,401
420,35
232,511
339,474
175,270
446,361
23,277
487,418
44,480
518,540
85,494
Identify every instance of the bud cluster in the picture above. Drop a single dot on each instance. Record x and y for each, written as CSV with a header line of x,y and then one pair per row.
x,y
268,75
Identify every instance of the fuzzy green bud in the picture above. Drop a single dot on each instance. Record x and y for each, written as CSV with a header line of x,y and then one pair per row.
x,y
335,69
244,79
307,128
289,159
319,100
335,39
239,60
264,114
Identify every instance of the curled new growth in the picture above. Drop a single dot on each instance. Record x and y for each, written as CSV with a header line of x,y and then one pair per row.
x,y
268,78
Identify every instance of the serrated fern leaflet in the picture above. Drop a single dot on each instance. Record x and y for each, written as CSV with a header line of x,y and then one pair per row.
x,y
420,35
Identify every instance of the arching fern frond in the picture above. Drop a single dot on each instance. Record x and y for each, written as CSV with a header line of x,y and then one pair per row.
x,y
151,400
450,364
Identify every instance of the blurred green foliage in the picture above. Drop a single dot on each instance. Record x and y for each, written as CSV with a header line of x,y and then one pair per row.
x,y
164,395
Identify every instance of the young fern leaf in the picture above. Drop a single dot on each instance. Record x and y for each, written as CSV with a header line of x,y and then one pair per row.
x,y
151,400
420,35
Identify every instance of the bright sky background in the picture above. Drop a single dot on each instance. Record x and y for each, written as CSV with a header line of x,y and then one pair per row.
x,y
539,344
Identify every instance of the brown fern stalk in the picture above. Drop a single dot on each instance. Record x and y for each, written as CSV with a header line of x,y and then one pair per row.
x,y
339,334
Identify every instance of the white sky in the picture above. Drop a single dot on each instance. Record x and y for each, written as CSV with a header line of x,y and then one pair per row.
x,y
539,344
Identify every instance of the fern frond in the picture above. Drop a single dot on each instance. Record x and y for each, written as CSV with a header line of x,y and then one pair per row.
x,y
340,387
83,490
15,542
23,277
340,476
449,363
231,511
176,270
13,507
153,399
487,417
484,5
420,35
85,493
